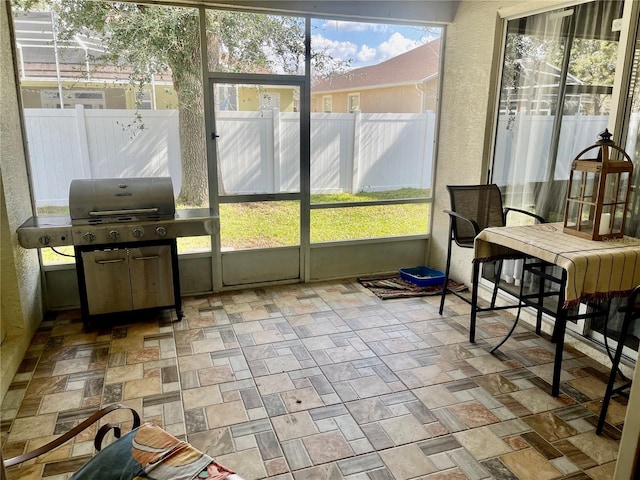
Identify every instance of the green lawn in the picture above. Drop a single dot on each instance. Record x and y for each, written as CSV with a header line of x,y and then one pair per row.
x,y
273,224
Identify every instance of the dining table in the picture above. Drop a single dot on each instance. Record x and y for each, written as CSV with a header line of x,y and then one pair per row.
x,y
592,271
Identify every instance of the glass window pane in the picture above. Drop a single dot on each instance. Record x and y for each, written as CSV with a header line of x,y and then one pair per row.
x,y
354,102
255,43
259,225
327,104
379,135
352,223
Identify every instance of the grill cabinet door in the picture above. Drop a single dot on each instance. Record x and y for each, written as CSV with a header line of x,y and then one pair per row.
x,y
151,276
107,279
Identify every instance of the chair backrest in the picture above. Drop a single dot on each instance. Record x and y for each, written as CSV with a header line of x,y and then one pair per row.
x,y
480,203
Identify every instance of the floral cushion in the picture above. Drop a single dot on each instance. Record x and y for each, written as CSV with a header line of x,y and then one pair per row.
x,y
150,453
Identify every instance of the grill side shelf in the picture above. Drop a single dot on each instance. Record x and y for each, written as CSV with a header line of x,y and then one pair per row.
x,y
41,232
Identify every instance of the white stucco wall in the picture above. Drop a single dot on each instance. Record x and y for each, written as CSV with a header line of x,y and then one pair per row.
x,y
20,290
471,65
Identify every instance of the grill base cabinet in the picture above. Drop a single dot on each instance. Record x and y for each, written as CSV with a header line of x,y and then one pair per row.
x,y
129,277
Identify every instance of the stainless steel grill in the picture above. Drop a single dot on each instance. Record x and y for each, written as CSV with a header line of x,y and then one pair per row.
x,y
115,210
121,200
124,235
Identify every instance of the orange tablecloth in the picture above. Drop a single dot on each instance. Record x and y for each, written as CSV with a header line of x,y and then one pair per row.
x,y
596,270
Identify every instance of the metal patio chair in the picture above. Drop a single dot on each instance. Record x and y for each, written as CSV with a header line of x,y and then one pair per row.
x,y
474,208
631,313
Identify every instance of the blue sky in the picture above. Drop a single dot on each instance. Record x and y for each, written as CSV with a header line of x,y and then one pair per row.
x,y
366,43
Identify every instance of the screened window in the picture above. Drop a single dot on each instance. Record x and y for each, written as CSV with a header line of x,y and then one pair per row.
x,y
372,146
105,68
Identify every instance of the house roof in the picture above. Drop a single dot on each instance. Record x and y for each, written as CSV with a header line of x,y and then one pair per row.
x,y
411,67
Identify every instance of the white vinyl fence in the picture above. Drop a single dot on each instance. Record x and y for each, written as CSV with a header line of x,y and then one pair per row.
x,y
527,159
258,150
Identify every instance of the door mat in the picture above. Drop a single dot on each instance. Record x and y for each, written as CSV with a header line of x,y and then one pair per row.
x,y
393,286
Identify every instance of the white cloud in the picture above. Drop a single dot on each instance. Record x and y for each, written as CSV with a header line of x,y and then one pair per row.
x,y
394,46
366,55
342,50
366,44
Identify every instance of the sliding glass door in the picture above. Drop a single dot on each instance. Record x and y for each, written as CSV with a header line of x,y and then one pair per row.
x,y
555,94
600,331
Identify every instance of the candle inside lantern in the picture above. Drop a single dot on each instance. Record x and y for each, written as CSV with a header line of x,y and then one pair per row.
x,y
605,224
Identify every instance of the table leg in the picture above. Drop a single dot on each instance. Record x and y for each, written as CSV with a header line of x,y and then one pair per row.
x,y
560,327
543,268
474,301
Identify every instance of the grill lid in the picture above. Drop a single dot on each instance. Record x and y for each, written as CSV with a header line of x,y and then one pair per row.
x,y
121,199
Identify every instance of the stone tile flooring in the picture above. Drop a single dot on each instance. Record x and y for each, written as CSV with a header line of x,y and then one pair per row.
x,y
320,381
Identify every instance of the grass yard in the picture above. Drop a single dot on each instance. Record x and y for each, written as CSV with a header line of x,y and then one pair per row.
x,y
275,224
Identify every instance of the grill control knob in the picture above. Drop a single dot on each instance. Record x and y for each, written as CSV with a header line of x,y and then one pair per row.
x,y
89,236
138,232
114,235
161,231
45,240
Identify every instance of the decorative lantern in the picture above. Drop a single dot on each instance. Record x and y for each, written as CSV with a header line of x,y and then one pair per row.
x,y
598,192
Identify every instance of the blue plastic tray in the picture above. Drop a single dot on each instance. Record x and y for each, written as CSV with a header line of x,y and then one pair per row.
x,y
422,276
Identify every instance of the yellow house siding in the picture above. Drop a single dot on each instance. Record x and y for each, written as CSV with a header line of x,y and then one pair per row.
x,y
166,98
117,96
399,99
31,97
248,98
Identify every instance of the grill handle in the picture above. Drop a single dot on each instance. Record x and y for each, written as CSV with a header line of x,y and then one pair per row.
x,y
102,213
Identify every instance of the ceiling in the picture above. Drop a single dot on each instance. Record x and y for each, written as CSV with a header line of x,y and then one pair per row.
x,y
389,11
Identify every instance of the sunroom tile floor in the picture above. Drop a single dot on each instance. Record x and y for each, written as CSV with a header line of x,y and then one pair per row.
x,y
320,381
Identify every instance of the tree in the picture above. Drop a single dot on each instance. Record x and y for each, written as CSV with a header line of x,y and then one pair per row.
x,y
148,40
594,62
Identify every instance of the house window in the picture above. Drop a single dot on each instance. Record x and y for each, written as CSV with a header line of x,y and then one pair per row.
x,y
143,99
327,103
269,100
227,97
93,99
354,102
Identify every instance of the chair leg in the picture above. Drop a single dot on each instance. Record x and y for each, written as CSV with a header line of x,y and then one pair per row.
x,y
614,370
540,302
446,274
515,323
496,284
